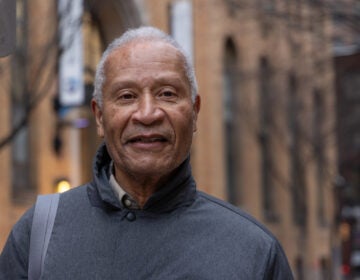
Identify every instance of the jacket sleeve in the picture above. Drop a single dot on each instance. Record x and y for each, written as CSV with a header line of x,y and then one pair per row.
x,y
15,255
278,267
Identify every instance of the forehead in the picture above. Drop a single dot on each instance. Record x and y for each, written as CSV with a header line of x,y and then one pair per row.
x,y
142,53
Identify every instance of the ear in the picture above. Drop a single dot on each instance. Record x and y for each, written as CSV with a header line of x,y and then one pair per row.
x,y
196,109
98,117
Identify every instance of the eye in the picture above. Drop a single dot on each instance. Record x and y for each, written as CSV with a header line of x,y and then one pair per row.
x,y
126,96
168,93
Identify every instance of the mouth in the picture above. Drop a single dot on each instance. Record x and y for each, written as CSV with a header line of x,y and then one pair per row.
x,y
148,143
147,139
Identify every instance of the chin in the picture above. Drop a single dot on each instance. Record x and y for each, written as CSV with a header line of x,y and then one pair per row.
x,y
158,167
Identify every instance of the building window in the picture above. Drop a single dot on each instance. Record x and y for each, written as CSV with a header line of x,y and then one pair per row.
x,y
297,169
267,10
299,268
325,268
267,6
231,145
266,123
319,152
22,183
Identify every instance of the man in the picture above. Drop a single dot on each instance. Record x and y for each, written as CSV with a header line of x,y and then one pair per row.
x,y
142,217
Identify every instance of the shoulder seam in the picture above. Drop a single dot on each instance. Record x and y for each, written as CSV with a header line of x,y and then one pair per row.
x,y
15,244
239,212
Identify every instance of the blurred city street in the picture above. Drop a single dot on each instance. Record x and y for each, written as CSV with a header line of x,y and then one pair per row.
x,y
278,133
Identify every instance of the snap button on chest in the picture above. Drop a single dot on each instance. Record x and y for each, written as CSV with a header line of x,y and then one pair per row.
x,y
130,217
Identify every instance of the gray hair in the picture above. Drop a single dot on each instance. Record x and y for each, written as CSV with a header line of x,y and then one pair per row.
x,y
145,33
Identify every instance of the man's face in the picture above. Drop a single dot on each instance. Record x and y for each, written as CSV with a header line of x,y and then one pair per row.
x,y
148,117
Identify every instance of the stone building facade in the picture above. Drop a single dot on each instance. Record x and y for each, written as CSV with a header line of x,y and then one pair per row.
x,y
265,137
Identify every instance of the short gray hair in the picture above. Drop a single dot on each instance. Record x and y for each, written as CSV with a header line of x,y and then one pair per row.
x,y
146,33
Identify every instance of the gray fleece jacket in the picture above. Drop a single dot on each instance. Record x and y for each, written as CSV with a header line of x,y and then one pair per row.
x,y
180,233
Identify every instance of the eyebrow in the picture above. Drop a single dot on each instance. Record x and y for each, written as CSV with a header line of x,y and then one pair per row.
x,y
164,80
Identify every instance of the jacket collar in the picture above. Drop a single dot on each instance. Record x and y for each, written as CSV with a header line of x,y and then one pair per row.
x,y
177,192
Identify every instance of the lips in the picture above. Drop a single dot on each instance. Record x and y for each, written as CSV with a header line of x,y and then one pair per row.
x,y
147,139
148,144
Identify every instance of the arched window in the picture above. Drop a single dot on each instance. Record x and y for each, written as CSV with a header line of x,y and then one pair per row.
x,y
231,145
297,169
299,268
319,145
266,121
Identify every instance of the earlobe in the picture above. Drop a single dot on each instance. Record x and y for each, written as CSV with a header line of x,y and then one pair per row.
x,y
196,109
98,117
197,104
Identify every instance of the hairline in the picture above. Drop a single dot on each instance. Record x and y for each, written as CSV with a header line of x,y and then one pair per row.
x,y
142,34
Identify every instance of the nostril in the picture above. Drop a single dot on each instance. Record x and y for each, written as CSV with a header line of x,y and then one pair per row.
x,y
148,115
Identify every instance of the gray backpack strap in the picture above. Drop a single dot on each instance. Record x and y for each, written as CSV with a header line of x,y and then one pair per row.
x,y
42,225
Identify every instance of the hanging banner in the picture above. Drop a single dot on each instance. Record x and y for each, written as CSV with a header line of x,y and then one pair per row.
x,y
182,25
71,84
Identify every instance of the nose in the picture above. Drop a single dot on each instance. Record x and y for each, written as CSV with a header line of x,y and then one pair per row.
x,y
148,111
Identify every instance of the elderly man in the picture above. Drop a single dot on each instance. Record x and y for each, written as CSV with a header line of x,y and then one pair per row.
x,y
142,217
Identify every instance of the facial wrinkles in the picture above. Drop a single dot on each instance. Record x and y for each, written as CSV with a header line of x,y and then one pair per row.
x,y
146,151
161,124
133,60
158,128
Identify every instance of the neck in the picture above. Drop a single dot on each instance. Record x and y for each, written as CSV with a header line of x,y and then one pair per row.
x,y
139,187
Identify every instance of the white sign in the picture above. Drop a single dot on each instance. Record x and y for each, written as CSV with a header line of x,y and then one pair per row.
x,y
182,25
71,84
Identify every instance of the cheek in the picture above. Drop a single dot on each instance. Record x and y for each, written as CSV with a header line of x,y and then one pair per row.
x,y
184,122
113,123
